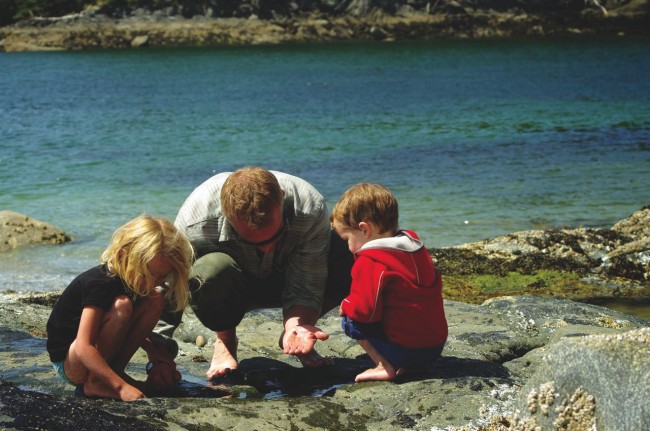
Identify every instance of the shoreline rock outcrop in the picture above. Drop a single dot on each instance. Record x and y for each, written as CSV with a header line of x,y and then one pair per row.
x,y
18,230
97,28
619,254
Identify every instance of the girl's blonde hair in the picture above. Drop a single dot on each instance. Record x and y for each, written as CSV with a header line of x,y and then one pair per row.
x,y
367,202
134,245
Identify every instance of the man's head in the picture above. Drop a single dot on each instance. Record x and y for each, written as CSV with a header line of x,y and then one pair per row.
x,y
252,200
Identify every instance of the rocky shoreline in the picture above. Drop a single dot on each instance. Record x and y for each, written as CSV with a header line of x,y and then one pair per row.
x,y
98,29
579,264
511,362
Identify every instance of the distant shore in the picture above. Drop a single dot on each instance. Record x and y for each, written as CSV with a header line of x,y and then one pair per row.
x,y
90,30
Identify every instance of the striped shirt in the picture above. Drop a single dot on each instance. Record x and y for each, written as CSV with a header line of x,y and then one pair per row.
x,y
301,252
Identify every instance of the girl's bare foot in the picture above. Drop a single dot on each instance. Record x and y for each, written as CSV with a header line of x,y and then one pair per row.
x,y
94,390
224,358
141,386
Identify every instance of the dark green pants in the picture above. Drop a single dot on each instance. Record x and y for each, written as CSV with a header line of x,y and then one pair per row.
x,y
227,291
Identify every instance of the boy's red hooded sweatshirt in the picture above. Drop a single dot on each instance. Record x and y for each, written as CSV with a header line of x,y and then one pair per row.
x,y
394,281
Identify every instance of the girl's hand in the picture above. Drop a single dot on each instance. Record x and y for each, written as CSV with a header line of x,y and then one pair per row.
x,y
163,375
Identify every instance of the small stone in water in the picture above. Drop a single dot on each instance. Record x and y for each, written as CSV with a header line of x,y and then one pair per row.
x,y
200,341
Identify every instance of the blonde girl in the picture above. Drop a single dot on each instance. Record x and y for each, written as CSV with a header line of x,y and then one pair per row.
x,y
108,312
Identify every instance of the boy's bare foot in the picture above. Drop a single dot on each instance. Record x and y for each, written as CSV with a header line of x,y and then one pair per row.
x,y
379,373
224,358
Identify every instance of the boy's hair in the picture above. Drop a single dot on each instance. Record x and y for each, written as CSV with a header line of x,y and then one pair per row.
x,y
135,244
368,203
250,195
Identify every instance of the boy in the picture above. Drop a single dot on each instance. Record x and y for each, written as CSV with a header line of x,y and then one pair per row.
x,y
394,308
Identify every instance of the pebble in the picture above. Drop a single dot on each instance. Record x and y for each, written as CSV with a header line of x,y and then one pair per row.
x,y
200,341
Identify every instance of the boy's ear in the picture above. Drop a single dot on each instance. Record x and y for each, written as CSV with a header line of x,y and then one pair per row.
x,y
365,228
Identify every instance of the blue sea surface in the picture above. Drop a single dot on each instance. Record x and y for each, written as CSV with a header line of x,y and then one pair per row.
x,y
476,138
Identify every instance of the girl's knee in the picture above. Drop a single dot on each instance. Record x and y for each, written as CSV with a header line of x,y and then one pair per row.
x,y
152,305
122,308
156,302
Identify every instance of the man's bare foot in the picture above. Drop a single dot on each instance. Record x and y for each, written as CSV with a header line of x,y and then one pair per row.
x,y
379,373
224,358
314,360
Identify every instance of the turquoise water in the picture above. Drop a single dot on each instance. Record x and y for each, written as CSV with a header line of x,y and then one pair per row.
x,y
476,138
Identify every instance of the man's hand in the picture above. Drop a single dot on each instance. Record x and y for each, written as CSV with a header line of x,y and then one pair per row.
x,y
300,336
301,339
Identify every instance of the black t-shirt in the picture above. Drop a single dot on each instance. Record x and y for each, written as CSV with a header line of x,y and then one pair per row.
x,y
93,287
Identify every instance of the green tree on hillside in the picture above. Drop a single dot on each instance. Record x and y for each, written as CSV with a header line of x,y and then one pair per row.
x,y
16,10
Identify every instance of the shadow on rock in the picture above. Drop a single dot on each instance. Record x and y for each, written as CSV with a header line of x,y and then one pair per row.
x,y
276,379
189,389
451,367
273,379
28,410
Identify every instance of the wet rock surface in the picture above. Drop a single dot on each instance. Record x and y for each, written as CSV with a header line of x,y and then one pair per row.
x,y
494,350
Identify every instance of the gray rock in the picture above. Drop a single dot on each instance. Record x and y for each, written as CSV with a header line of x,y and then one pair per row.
x,y
140,41
493,351
18,230
636,226
593,382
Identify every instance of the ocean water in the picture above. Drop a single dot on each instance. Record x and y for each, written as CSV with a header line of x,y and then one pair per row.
x,y
476,138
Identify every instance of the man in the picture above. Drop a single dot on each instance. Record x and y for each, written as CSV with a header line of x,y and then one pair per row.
x,y
262,239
